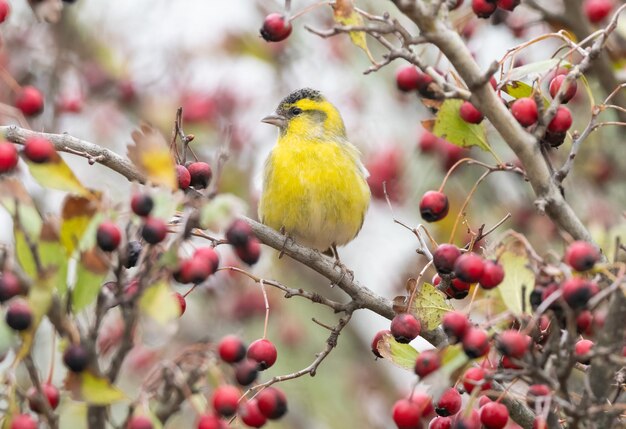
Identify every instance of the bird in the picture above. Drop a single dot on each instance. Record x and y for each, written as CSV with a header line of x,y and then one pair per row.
x,y
315,187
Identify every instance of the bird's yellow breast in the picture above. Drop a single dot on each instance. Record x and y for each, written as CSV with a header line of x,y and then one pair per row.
x,y
315,190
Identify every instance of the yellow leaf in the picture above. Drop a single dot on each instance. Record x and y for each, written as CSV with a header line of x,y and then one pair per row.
x,y
73,414
77,213
56,174
402,355
159,304
516,275
346,16
151,155
430,306
98,391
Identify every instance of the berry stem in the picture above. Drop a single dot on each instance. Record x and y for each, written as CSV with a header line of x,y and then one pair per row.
x,y
267,308
52,360
305,10
419,278
9,80
466,202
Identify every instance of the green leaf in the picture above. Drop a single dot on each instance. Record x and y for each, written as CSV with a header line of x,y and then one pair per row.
x,y
52,256
538,67
450,126
430,305
518,89
90,274
516,275
73,414
159,303
98,391
24,255
218,213
402,355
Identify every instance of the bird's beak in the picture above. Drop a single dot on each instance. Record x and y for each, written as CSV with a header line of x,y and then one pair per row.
x,y
278,120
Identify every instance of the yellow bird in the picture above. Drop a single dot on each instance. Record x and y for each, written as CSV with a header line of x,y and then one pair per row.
x,y
314,184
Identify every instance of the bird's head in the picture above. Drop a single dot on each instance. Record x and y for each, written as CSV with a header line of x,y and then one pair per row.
x,y
305,113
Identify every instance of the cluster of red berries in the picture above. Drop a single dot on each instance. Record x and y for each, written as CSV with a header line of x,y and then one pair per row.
x,y
36,149
449,153
410,78
486,8
246,245
197,174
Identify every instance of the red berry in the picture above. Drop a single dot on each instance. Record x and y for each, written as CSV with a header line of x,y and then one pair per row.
x,y
250,414
475,343
408,78
406,414
50,393
23,421
251,252
471,421
562,120
238,233
379,336
584,322
10,286
428,142
201,174
264,352
449,403
5,8
508,4
226,400
424,402
194,270
182,303
246,372
30,101
231,349
208,421
141,204
455,324
8,157
507,363
525,111
275,28
76,358
108,236
581,255
427,362
581,349
183,176
555,85
483,8
535,393
475,377
139,422
444,258
458,289
470,114
469,267
38,149
440,423
578,291
492,276
482,400
154,230
512,343
209,256
597,10
434,206
494,415
272,403
405,328
19,315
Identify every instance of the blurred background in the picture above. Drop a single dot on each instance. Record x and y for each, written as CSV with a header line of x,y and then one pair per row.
x,y
106,66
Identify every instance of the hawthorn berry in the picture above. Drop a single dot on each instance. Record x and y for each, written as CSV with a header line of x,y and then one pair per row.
x,y
5,9
272,403
23,421
38,149
424,402
154,230
444,258
581,349
209,256
50,393
408,78
10,286
238,233
512,343
475,377
427,362
200,173
379,336
458,289
553,139
183,176
250,414
525,111
263,352
581,255
405,328
428,142
484,8
246,372
507,363
578,291
449,403
231,349
536,392
76,358
181,301
440,423
493,274
469,267
494,415
555,86
434,206
193,270
225,400
597,10
8,157
470,114
584,322
209,421
19,315
455,324
275,28
29,100
508,4
141,204
469,421
561,122
406,414
139,422
251,252
108,236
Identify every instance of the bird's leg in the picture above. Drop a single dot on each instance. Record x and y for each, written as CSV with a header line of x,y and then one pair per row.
x,y
287,238
338,263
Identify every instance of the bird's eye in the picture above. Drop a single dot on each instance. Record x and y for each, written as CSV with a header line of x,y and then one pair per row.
x,y
295,111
